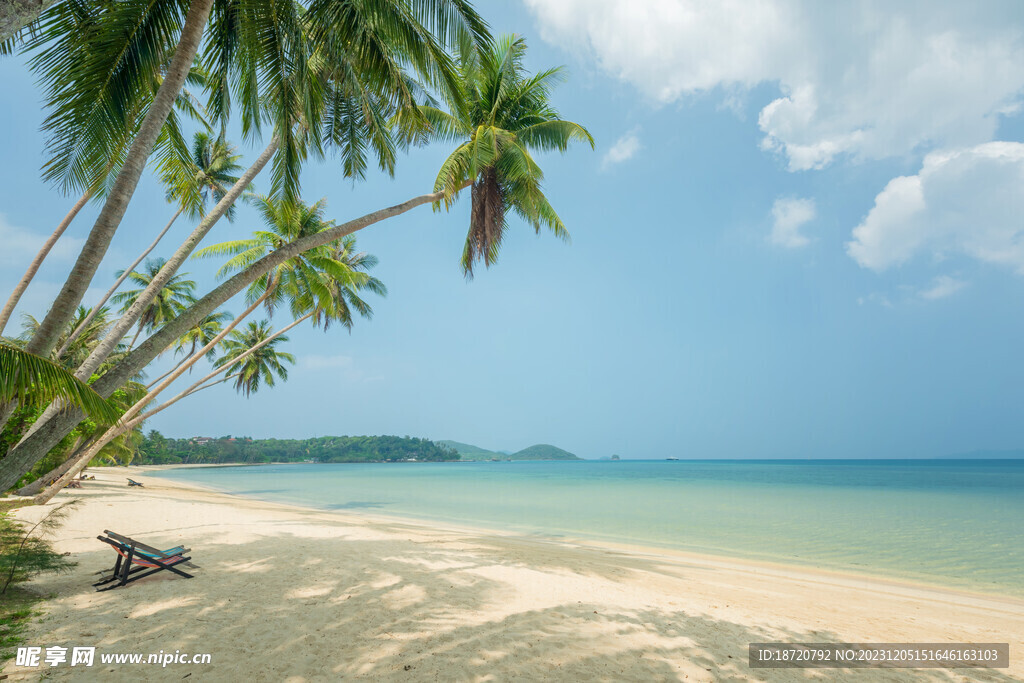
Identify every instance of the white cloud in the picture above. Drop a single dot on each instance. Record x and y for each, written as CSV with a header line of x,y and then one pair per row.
x,y
625,148
20,245
789,215
869,79
965,202
941,287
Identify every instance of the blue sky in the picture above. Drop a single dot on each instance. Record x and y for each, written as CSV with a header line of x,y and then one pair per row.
x,y
800,235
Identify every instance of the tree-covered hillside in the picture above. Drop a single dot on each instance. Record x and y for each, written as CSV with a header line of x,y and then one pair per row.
x,y
543,451
471,452
537,452
156,449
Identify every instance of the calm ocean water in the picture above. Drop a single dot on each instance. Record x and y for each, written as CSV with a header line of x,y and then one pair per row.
x,y
950,522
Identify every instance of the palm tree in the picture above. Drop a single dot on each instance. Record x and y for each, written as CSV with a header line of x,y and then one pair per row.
x,y
91,326
92,117
169,152
335,293
285,221
324,300
208,173
197,336
99,62
503,115
545,135
173,298
202,333
259,366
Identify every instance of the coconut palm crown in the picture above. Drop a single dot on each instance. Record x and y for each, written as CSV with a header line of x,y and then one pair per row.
x,y
211,169
260,366
172,299
332,273
504,115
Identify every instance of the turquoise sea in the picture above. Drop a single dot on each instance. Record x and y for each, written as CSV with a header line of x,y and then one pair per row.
x,y
950,522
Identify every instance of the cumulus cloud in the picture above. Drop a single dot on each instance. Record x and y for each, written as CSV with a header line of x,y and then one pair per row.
x,y
788,216
941,287
866,80
625,148
964,202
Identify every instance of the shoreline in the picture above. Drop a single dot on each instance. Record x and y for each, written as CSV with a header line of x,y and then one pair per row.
x,y
723,557
458,602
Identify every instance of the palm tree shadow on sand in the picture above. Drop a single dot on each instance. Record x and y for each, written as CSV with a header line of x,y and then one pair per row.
x,y
281,598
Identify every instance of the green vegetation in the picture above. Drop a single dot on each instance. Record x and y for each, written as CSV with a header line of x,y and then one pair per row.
x,y
15,611
159,450
538,452
124,84
543,451
470,452
24,550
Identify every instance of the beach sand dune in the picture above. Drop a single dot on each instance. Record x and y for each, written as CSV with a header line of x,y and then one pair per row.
x,y
290,594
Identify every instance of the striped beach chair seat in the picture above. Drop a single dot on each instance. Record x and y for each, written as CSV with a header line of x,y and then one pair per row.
x,y
136,560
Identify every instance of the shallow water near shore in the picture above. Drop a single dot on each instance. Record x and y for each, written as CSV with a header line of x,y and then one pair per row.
x,y
954,523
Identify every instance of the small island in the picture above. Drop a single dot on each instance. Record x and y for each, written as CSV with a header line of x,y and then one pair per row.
x,y
541,451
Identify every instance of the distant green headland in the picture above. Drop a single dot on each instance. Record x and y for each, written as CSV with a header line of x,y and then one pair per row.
x,y
157,449
541,451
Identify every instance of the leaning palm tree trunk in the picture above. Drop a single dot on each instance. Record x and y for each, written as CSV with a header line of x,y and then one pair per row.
x,y
17,14
47,432
107,345
242,356
125,322
63,308
36,486
26,279
79,460
76,461
130,415
124,276
176,366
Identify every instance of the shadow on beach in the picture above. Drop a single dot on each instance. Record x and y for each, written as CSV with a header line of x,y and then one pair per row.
x,y
307,596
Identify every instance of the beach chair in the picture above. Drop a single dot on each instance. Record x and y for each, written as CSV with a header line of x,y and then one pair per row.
x,y
135,558
132,482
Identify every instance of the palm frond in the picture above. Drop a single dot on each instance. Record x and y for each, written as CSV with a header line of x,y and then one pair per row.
x,y
26,377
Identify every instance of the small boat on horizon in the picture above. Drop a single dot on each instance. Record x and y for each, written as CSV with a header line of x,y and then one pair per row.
x,y
671,458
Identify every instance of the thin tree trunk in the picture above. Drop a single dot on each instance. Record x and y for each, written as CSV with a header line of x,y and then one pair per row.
x,y
40,483
5,315
17,14
54,427
44,496
107,345
126,420
96,245
124,276
135,338
242,356
133,422
178,365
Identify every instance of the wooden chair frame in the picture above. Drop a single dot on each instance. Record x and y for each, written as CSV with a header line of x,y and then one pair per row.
x,y
144,557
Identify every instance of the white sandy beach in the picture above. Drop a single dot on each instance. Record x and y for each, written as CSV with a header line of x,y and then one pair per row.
x,y
292,594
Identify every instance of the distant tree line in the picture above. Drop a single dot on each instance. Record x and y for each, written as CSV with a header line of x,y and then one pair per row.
x,y
156,449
